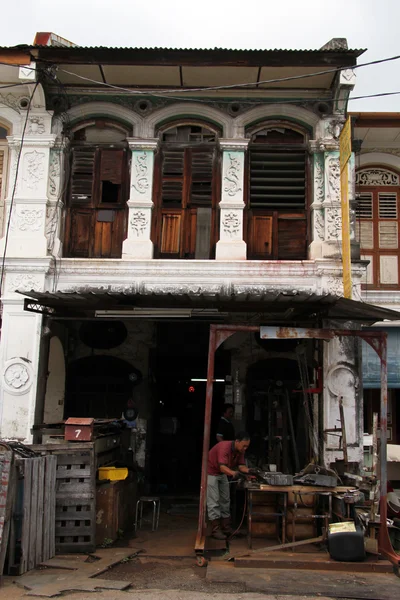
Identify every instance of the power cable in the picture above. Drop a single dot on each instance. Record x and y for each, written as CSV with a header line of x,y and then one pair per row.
x,y
15,187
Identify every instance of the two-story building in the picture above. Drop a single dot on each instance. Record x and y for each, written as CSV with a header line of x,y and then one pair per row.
x,y
150,192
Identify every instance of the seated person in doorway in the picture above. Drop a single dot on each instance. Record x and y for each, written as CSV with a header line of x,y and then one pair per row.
x,y
225,430
225,458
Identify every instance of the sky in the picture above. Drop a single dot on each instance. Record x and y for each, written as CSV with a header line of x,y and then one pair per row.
x,y
251,24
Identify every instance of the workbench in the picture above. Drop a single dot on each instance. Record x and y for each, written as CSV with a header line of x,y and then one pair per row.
x,y
279,499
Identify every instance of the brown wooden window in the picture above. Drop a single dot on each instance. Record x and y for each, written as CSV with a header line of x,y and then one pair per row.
x,y
377,227
276,194
185,193
96,209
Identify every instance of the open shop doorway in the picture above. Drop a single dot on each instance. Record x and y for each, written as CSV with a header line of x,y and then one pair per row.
x,y
179,368
282,414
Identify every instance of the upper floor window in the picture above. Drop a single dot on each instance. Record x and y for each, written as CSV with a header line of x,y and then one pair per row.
x,y
185,197
276,193
377,227
98,191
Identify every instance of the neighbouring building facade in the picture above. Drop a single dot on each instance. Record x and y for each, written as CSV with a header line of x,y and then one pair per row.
x,y
377,228
148,192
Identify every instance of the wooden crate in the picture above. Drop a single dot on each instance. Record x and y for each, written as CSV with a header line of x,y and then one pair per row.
x,y
75,514
32,534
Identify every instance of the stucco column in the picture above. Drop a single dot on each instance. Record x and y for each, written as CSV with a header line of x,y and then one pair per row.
x,y
19,349
138,243
55,194
231,245
28,216
341,368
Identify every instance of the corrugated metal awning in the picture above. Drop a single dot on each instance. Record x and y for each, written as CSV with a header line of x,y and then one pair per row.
x,y
270,306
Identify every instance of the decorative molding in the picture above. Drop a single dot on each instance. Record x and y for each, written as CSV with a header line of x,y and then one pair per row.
x,y
10,101
335,286
394,151
140,176
232,177
343,373
319,184
33,169
377,177
234,145
139,222
17,377
26,219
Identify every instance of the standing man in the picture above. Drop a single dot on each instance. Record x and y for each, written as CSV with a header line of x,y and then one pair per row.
x,y
225,458
225,430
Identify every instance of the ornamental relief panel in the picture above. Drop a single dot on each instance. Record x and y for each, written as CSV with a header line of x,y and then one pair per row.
x,y
26,219
233,175
333,178
17,377
139,222
36,126
24,282
33,170
376,177
319,224
231,223
54,174
140,175
333,224
319,186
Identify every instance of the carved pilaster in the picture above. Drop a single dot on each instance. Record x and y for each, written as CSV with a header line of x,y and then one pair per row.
x,y
138,243
30,165
231,245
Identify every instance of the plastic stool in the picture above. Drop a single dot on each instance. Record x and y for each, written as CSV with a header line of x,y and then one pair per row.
x,y
156,511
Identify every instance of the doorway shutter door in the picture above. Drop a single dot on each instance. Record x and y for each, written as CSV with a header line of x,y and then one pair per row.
x,y
80,221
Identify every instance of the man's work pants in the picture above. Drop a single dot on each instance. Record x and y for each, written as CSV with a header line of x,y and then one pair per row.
x,y
218,502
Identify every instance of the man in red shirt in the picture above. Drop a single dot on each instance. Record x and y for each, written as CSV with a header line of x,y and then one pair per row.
x,y
225,458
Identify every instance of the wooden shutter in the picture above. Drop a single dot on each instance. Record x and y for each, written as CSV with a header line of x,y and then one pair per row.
x,y
201,171
292,237
277,178
171,231
260,242
111,165
82,176
80,231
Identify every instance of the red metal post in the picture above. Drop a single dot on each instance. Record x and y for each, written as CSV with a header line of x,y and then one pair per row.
x,y
200,539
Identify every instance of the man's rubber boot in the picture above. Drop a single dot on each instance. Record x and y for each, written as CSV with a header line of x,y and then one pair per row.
x,y
216,530
226,526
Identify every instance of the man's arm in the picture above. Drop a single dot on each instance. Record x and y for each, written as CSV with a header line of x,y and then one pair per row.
x,y
220,437
243,469
227,471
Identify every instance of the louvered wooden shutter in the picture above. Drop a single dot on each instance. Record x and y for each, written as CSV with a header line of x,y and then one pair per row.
x,y
172,177
364,227
111,165
277,178
202,170
82,176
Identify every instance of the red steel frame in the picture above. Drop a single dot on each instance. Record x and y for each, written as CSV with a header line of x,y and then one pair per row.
x,y
376,339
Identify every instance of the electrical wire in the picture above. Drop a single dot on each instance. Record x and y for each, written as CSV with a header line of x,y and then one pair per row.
x,y
15,186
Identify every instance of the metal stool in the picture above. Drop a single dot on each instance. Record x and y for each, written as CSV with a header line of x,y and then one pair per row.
x,y
156,511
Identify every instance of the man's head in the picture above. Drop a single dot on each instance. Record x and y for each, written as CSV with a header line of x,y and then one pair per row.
x,y
227,411
242,441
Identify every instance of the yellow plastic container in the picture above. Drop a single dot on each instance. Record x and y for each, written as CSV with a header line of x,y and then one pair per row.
x,y
113,473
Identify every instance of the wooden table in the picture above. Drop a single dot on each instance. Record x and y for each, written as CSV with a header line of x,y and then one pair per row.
x,y
284,490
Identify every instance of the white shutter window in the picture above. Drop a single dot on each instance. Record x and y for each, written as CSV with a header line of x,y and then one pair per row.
x,y
364,206
389,270
388,234
387,205
365,234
